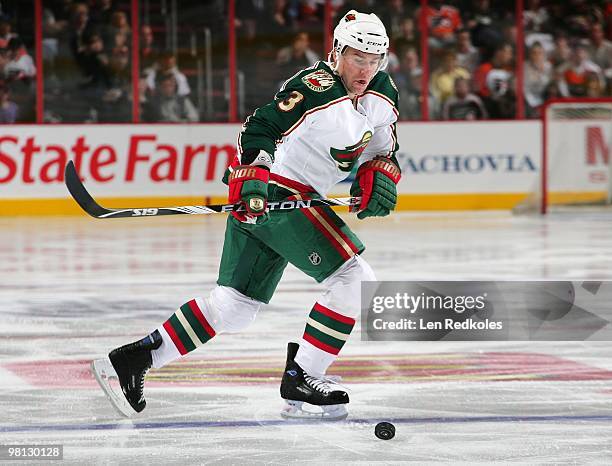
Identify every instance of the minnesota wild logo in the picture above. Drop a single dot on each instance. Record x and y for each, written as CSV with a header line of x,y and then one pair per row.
x,y
346,158
319,80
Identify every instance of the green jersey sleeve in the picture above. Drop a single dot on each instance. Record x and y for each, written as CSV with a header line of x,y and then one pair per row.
x,y
267,125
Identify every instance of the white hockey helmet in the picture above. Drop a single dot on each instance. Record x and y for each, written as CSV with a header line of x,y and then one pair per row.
x,y
364,32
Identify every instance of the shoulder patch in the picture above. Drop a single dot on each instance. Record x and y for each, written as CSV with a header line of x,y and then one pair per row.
x,y
319,80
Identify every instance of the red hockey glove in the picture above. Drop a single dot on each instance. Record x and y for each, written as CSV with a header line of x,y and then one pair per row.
x,y
376,184
248,186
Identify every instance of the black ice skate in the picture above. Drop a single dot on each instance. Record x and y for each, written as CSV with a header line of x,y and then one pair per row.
x,y
129,365
299,388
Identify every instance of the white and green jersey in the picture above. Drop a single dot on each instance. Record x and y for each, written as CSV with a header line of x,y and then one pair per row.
x,y
317,134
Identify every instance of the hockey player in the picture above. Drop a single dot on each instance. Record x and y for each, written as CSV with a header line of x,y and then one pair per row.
x,y
327,118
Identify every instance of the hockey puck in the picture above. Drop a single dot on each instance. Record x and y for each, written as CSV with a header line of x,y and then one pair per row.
x,y
384,430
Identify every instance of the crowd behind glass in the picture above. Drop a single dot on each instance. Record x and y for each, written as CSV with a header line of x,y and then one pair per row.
x,y
471,44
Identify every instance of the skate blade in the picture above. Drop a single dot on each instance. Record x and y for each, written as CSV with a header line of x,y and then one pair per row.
x,y
303,411
104,371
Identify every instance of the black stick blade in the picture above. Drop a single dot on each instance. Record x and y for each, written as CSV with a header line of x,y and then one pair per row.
x,y
80,194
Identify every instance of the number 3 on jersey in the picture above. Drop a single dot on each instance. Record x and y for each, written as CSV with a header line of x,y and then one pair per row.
x,y
290,102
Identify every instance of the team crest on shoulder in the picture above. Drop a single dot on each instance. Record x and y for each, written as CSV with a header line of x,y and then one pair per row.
x,y
318,81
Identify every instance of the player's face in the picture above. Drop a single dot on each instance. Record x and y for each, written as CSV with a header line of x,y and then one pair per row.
x,y
357,69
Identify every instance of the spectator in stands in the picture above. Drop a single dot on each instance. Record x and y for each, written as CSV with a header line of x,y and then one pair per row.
x,y
536,17
79,28
248,12
501,60
8,108
408,81
577,16
62,9
463,105
485,25
280,15
118,31
119,22
296,56
557,87
538,74
443,21
52,30
467,55
509,32
148,49
576,70
443,78
393,16
600,50
167,65
20,65
165,105
275,26
115,105
408,36
93,61
492,82
593,86
120,44
6,32
310,12
94,64
561,52
537,27
102,12
552,92
19,71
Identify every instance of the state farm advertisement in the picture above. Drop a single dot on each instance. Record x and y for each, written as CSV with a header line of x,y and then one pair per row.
x,y
116,160
189,160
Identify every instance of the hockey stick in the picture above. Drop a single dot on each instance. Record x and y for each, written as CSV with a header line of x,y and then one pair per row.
x,y
89,205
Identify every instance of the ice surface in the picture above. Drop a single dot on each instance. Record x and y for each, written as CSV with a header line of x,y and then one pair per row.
x,y
71,289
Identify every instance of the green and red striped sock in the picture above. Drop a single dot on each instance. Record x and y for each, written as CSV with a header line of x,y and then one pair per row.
x,y
188,327
327,330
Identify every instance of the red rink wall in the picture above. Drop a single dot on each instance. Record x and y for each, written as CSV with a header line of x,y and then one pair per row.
x,y
459,165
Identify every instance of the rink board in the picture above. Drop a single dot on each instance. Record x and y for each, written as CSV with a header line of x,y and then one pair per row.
x,y
460,165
